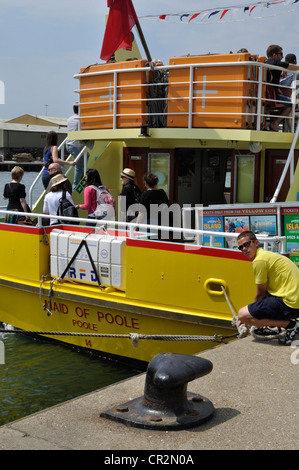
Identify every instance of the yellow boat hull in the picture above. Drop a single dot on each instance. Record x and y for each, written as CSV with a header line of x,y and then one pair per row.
x,y
174,295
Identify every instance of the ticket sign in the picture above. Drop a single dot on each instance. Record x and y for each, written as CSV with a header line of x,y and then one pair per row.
x,y
215,224
291,227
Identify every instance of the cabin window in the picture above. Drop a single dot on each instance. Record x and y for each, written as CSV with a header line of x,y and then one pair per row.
x,y
159,164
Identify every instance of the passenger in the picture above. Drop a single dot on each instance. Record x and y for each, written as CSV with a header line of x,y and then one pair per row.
x,y
16,195
154,201
275,54
50,154
93,181
56,169
52,199
129,195
74,147
287,78
276,302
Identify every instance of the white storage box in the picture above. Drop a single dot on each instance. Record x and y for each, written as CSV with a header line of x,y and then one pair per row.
x,y
108,256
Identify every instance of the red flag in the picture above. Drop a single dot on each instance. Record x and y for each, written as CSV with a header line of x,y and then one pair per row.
x,y
121,19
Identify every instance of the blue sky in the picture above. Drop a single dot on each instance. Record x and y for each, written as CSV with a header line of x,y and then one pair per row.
x,y
44,43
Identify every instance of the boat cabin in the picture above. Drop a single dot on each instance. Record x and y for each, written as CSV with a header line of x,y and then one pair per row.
x,y
201,123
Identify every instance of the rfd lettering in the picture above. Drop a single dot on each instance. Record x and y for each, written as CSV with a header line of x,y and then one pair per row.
x,y
82,274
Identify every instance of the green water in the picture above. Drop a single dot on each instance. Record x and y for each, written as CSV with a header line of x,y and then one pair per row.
x,y
37,375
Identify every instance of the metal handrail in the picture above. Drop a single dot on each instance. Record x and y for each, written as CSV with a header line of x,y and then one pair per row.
x,y
130,228
61,147
286,166
257,81
39,175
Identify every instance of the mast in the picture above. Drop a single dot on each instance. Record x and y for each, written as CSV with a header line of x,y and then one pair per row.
x,y
143,41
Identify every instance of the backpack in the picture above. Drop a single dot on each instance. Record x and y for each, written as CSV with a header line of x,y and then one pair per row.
x,y
105,203
67,209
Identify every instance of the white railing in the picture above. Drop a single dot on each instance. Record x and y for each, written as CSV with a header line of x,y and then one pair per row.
x,y
150,231
256,98
61,148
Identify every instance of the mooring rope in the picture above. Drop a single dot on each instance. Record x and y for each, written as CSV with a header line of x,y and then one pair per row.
x,y
242,329
135,337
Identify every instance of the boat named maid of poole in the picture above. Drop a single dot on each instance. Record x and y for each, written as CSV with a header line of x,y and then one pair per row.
x,y
200,123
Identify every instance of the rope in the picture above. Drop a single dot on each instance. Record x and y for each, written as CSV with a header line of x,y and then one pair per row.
x,y
135,337
242,329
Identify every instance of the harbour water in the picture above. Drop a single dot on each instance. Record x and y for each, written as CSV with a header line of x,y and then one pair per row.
x,y
35,375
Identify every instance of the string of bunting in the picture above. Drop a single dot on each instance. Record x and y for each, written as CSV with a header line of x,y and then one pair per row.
x,y
223,14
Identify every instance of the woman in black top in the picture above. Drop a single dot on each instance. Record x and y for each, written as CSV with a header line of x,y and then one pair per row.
x,y
15,192
154,202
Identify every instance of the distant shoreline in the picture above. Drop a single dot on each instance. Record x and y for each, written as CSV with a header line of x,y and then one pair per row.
x,y
27,166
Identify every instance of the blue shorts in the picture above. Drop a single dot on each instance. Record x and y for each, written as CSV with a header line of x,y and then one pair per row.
x,y
272,308
287,100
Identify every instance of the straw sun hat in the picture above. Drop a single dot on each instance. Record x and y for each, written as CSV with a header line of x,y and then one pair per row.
x,y
57,179
128,173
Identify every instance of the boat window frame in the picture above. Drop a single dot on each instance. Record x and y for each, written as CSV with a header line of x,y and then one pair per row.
x,y
238,157
161,154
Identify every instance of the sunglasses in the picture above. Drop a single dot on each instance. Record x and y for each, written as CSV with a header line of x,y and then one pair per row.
x,y
245,245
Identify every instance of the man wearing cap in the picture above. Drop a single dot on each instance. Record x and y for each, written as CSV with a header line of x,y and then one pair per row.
x,y
130,195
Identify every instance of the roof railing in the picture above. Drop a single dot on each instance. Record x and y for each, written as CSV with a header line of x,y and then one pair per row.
x,y
254,110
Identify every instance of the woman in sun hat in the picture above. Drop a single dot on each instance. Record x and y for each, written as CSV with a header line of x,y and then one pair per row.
x,y
129,195
52,199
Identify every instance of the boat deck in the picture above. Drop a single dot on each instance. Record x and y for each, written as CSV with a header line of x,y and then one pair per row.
x,y
253,387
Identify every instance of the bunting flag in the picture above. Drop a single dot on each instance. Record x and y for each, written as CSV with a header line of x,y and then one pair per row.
x,y
228,13
121,19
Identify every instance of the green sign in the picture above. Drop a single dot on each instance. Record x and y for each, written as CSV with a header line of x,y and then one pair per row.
x,y
291,231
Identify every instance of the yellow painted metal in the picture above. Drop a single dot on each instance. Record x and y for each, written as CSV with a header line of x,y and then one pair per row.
x,y
26,312
172,137
24,254
178,279
170,291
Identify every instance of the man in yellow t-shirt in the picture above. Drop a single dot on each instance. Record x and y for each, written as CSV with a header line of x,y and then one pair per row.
x,y
276,302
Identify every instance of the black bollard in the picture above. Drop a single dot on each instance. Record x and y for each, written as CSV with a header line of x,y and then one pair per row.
x,y
166,405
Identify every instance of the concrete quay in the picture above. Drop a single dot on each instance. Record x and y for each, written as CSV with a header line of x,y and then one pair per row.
x,y
253,387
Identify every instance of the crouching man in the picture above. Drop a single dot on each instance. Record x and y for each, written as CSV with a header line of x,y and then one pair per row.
x,y
276,303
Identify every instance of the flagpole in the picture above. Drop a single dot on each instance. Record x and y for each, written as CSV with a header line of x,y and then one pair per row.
x,y
143,41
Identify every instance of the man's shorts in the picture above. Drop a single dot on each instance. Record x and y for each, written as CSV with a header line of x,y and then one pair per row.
x,y
272,308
